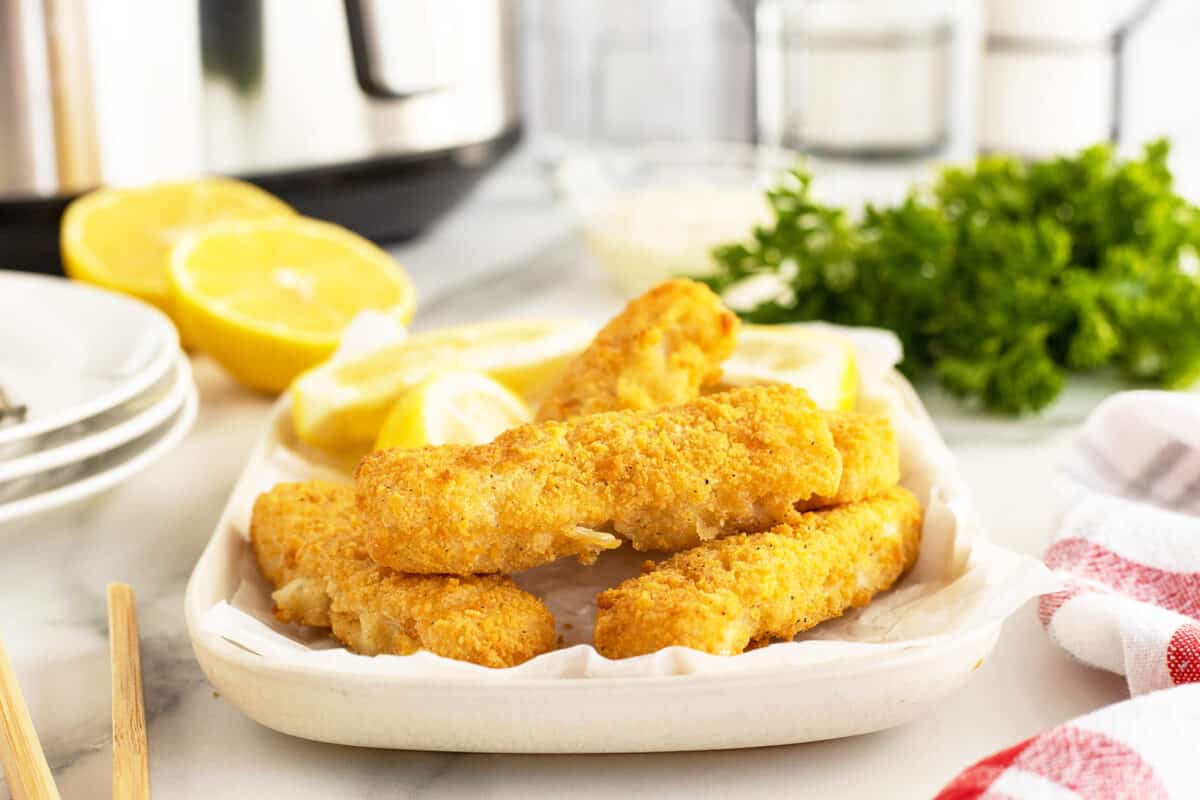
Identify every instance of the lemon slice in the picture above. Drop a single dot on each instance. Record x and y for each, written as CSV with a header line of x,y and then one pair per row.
x,y
120,238
821,363
342,404
452,408
269,298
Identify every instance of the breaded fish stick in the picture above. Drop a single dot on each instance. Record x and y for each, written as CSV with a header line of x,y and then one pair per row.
x,y
663,479
307,542
657,352
870,458
745,590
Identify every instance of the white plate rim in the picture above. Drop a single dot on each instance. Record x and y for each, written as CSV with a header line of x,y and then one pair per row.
x,y
77,490
157,324
108,438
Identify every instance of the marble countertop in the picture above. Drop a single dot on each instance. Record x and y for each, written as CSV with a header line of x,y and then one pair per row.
x,y
508,252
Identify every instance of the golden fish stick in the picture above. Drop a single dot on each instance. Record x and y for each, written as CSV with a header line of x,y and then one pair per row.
x,y
308,543
662,479
870,458
744,590
659,351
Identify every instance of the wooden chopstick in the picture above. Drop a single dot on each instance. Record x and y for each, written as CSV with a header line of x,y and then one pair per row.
x,y
131,756
25,766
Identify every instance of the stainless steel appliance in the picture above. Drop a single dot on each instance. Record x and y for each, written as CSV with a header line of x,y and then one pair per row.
x,y
378,114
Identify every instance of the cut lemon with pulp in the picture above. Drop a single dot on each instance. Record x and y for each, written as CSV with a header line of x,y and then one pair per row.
x,y
452,408
269,298
342,404
121,238
821,363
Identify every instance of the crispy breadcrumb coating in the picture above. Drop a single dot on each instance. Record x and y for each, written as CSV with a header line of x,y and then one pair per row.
x,y
870,458
659,351
308,543
745,590
664,479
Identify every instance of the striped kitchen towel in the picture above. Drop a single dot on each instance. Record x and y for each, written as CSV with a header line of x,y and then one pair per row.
x,y
1128,546
1142,749
1128,552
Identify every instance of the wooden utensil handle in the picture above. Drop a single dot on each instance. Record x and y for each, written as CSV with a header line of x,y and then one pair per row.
x,y
131,758
25,766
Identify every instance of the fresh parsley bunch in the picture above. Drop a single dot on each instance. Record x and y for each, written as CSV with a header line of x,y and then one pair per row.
x,y
1001,277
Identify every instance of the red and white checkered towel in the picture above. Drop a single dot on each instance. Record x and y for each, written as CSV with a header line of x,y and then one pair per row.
x,y
1142,749
1128,550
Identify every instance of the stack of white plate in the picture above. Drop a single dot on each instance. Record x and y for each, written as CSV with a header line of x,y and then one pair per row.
x,y
104,386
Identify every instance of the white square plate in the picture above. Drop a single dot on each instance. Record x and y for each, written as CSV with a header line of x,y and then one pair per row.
x,y
870,670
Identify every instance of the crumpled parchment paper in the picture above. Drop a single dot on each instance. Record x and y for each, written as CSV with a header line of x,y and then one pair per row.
x,y
962,582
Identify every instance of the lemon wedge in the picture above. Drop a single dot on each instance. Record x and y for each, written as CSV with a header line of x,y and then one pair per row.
x,y
452,407
120,238
342,404
821,363
269,298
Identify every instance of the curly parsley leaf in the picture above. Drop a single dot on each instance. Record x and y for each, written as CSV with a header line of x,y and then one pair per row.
x,y
1002,276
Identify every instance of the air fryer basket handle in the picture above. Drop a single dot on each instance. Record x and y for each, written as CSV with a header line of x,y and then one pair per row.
x,y
366,69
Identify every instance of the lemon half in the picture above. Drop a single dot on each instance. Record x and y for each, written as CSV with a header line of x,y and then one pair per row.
x,y
270,298
121,238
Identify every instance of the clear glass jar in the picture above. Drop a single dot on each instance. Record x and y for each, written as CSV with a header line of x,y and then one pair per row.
x,y
868,79
629,71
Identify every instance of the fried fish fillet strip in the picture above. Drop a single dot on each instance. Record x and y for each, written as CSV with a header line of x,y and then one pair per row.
x,y
663,479
748,589
870,458
308,543
659,351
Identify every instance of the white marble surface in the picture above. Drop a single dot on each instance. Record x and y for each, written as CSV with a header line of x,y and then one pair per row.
x,y
507,252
